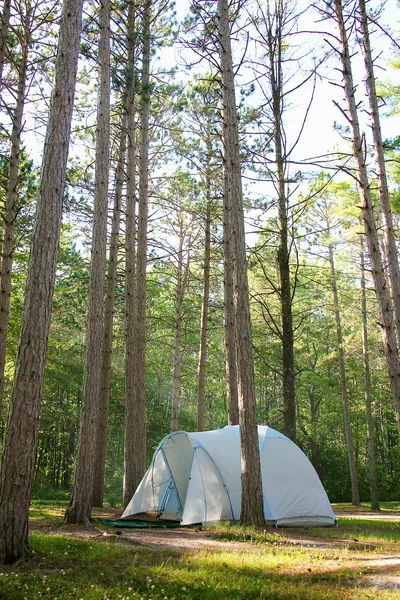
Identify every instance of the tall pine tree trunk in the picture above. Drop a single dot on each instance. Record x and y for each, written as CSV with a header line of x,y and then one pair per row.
x,y
180,288
201,369
232,399
80,507
176,362
19,449
106,350
373,482
378,272
288,376
252,511
355,494
390,238
11,210
5,21
130,257
135,453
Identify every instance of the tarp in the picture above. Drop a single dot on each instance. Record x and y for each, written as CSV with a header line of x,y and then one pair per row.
x,y
136,524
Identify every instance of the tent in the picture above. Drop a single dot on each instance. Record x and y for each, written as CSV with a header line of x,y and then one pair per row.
x,y
195,478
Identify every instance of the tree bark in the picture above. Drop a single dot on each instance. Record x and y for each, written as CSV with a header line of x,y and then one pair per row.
x,y
5,21
180,288
373,482
135,464
377,268
106,351
19,449
252,511
201,369
176,363
229,320
390,238
355,494
275,43
11,208
80,507
130,258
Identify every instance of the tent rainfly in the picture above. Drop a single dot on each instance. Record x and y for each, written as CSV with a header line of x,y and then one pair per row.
x,y
195,478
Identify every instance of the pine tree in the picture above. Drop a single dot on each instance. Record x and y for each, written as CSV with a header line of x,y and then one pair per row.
x,y
19,449
252,511
79,509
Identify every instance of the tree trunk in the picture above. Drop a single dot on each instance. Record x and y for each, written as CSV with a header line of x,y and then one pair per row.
x,y
176,364
252,511
106,351
19,449
201,369
382,294
275,43
315,452
373,482
229,321
130,259
11,211
355,494
390,238
135,462
80,507
5,21
180,288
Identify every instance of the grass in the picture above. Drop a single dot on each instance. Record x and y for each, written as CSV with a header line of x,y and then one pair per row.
x,y
393,507
380,535
272,564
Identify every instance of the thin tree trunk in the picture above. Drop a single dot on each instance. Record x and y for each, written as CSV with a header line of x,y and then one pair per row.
x,y
5,21
180,288
176,366
390,238
130,259
315,450
229,321
373,482
106,351
136,412
382,293
355,494
19,449
11,211
275,42
201,369
80,507
252,511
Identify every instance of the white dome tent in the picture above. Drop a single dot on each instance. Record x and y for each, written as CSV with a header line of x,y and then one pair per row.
x,y
195,478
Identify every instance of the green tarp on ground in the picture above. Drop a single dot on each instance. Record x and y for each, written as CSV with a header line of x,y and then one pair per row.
x,y
137,524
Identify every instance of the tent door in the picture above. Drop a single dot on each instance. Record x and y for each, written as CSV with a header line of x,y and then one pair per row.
x,y
166,495
170,507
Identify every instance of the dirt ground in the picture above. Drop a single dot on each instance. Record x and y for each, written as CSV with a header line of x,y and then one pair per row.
x,y
200,538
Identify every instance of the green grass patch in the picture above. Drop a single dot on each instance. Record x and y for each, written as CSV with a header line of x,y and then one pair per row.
x,y
365,507
46,514
275,564
65,568
379,535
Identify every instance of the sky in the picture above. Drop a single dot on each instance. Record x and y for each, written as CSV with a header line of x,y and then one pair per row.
x,y
320,135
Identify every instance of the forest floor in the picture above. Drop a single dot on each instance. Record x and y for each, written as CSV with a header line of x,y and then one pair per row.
x,y
365,545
